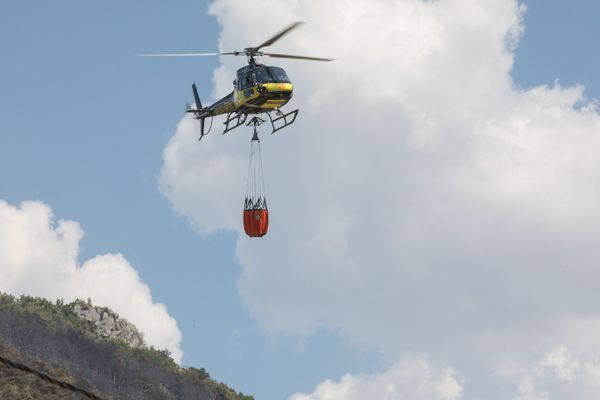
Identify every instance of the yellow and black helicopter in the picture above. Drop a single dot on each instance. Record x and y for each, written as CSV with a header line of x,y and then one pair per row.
x,y
258,89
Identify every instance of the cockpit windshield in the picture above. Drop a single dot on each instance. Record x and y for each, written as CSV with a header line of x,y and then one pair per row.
x,y
262,76
250,76
278,75
271,75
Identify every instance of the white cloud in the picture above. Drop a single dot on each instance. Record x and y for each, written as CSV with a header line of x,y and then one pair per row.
x,y
527,390
559,374
561,362
410,378
38,257
422,202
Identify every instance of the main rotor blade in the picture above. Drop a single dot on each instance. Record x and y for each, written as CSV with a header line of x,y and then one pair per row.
x,y
297,57
188,54
278,36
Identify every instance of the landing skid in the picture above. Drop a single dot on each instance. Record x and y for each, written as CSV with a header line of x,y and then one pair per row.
x,y
287,119
278,122
238,119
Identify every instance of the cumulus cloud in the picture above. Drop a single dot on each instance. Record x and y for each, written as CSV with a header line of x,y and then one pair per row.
x,y
38,256
558,373
423,202
411,378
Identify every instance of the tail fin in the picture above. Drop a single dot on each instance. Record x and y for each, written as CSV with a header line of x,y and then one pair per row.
x,y
196,97
198,110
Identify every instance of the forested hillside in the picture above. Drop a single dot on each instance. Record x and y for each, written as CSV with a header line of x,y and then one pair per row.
x,y
55,340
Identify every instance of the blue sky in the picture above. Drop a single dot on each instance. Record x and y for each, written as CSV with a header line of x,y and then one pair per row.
x,y
83,126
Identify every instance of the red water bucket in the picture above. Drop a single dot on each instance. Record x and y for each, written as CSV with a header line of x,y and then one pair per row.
x,y
256,222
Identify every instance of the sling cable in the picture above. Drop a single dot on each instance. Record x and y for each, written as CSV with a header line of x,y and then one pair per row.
x,y
256,214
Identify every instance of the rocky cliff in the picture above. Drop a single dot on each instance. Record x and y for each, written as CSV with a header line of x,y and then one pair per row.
x,y
108,324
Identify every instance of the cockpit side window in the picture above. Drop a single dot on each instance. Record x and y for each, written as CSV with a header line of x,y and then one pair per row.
x,y
245,79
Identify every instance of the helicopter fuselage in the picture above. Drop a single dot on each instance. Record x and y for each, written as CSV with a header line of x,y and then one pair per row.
x,y
257,89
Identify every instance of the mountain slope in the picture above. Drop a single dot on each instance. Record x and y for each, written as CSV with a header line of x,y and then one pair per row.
x,y
58,340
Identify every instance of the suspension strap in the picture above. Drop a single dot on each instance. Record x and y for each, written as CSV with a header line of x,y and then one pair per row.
x,y
255,183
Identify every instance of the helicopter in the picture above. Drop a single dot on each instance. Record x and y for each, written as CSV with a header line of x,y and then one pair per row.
x,y
258,89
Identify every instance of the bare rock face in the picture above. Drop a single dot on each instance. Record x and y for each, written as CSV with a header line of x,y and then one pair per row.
x,y
109,324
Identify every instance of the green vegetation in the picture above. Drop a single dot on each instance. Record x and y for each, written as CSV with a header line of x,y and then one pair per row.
x,y
53,339
48,311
